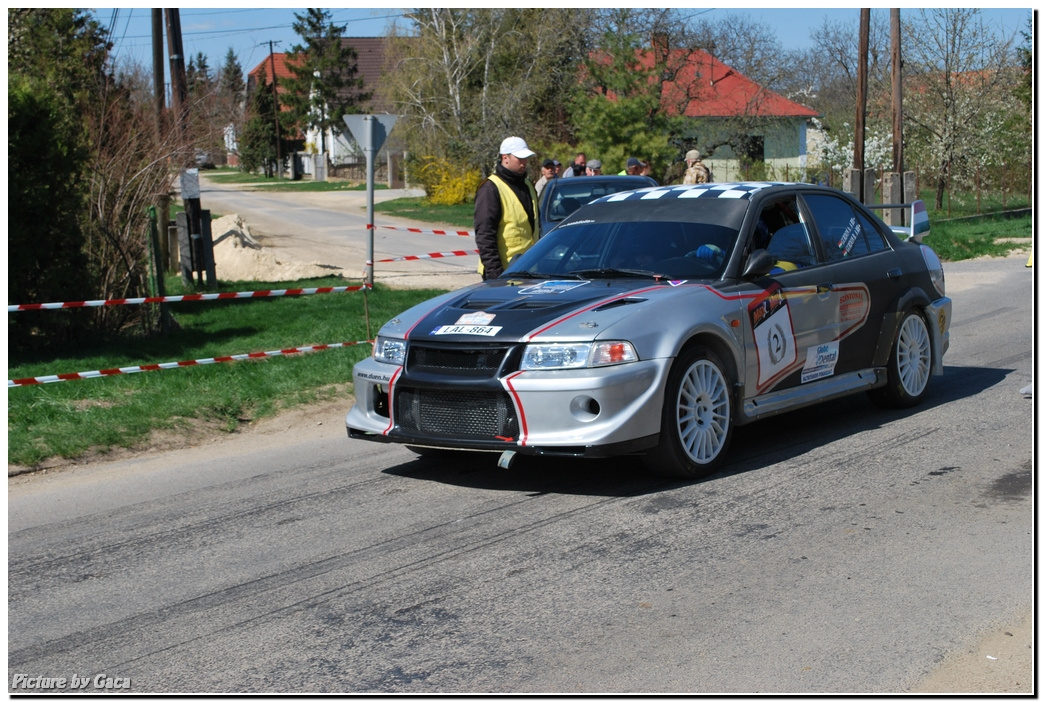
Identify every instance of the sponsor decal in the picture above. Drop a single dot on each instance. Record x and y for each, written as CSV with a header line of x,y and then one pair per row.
x,y
676,283
472,329
850,236
479,318
820,362
552,287
771,321
853,305
374,377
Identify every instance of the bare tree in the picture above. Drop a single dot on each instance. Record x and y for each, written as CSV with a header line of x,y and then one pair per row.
x,y
131,168
468,77
749,46
833,63
958,71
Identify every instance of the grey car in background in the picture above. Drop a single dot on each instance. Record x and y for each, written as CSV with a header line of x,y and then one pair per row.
x,y
563,196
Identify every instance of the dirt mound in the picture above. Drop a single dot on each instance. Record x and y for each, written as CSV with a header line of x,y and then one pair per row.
x,y
238,256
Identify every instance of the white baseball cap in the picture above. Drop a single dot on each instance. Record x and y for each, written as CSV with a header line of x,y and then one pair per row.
x,y
516,147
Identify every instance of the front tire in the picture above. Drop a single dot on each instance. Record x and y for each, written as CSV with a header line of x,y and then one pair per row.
x,y
910,365
697,417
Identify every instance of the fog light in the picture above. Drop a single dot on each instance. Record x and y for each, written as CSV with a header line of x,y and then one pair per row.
x,y
380,401
584,408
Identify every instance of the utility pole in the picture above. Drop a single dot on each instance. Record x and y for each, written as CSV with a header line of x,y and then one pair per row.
x,y
158,239
862,85
859,181
158,74
898,90
274,93
178,78
159,86
898,186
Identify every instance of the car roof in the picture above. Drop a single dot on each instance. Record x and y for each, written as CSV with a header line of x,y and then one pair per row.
x,y
580,181
742,191
722,202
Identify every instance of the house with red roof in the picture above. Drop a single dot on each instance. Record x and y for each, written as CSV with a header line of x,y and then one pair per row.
x,y
731,117
372,58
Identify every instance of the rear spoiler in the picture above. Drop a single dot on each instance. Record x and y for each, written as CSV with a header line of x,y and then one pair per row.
x,y
919,227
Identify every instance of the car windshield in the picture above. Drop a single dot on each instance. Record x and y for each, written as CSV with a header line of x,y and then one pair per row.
x,y
667,249
572,193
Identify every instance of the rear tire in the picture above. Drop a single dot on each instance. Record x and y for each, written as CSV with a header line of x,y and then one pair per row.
x,y
910,364
697,418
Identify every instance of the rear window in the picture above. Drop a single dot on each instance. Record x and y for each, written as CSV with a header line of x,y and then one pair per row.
x,y
566,198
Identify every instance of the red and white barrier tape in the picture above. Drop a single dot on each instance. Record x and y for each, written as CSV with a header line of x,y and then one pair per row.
x,y
439,254
40,380
442,232
195,297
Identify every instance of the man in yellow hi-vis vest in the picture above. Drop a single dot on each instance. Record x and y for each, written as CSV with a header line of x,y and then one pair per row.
x,y
506,220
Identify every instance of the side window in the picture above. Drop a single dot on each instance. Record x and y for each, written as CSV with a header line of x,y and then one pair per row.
x,y
874,239
844,232
782,233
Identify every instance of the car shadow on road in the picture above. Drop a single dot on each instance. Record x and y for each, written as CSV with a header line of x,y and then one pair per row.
x,y
537,475
754,446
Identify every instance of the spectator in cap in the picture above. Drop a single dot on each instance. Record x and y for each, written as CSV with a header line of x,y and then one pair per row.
x,y
506,219
594,167
697,172
632,166
549,172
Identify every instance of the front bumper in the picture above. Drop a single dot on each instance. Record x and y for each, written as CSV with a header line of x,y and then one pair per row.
x,y
589,412
938,314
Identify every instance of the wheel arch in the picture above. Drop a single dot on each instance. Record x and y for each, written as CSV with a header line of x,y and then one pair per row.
x,y
914,298
721,348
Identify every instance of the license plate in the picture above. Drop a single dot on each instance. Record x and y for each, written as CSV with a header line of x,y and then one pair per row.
x,y
472,329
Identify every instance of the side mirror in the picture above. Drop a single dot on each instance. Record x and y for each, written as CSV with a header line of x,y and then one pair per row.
x,y
759,263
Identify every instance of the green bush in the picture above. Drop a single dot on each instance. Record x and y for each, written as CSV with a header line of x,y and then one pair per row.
x,y
46,196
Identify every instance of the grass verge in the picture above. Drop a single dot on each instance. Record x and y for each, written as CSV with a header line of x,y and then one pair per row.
x,y
74,418
237,177
420,209
958,240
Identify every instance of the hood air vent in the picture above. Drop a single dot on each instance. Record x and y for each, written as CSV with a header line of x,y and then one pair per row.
x,y
620,303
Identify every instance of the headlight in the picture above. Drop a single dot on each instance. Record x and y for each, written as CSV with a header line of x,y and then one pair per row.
x,y
390,350
580,355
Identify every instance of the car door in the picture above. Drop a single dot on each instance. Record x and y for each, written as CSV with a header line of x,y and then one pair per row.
x,y
791,317
859,268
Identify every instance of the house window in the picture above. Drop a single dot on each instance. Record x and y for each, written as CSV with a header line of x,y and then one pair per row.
x,y
756,153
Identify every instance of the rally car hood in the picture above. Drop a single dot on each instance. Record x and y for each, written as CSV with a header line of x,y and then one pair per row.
x,y
519,310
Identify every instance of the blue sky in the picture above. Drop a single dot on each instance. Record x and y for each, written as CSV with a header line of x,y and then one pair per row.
x,y
248,31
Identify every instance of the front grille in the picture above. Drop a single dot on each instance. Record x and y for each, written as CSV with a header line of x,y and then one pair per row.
x,y
464,414
474,362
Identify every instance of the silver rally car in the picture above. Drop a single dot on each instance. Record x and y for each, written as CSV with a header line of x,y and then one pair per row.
x,y
652,322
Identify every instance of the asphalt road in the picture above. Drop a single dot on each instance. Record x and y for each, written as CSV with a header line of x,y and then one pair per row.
x,y
844,549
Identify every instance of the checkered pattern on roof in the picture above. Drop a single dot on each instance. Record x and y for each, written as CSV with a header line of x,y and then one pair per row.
x,y
709,190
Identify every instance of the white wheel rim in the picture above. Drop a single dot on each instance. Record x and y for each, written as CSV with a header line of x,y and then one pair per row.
x,y
914,355
703,411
